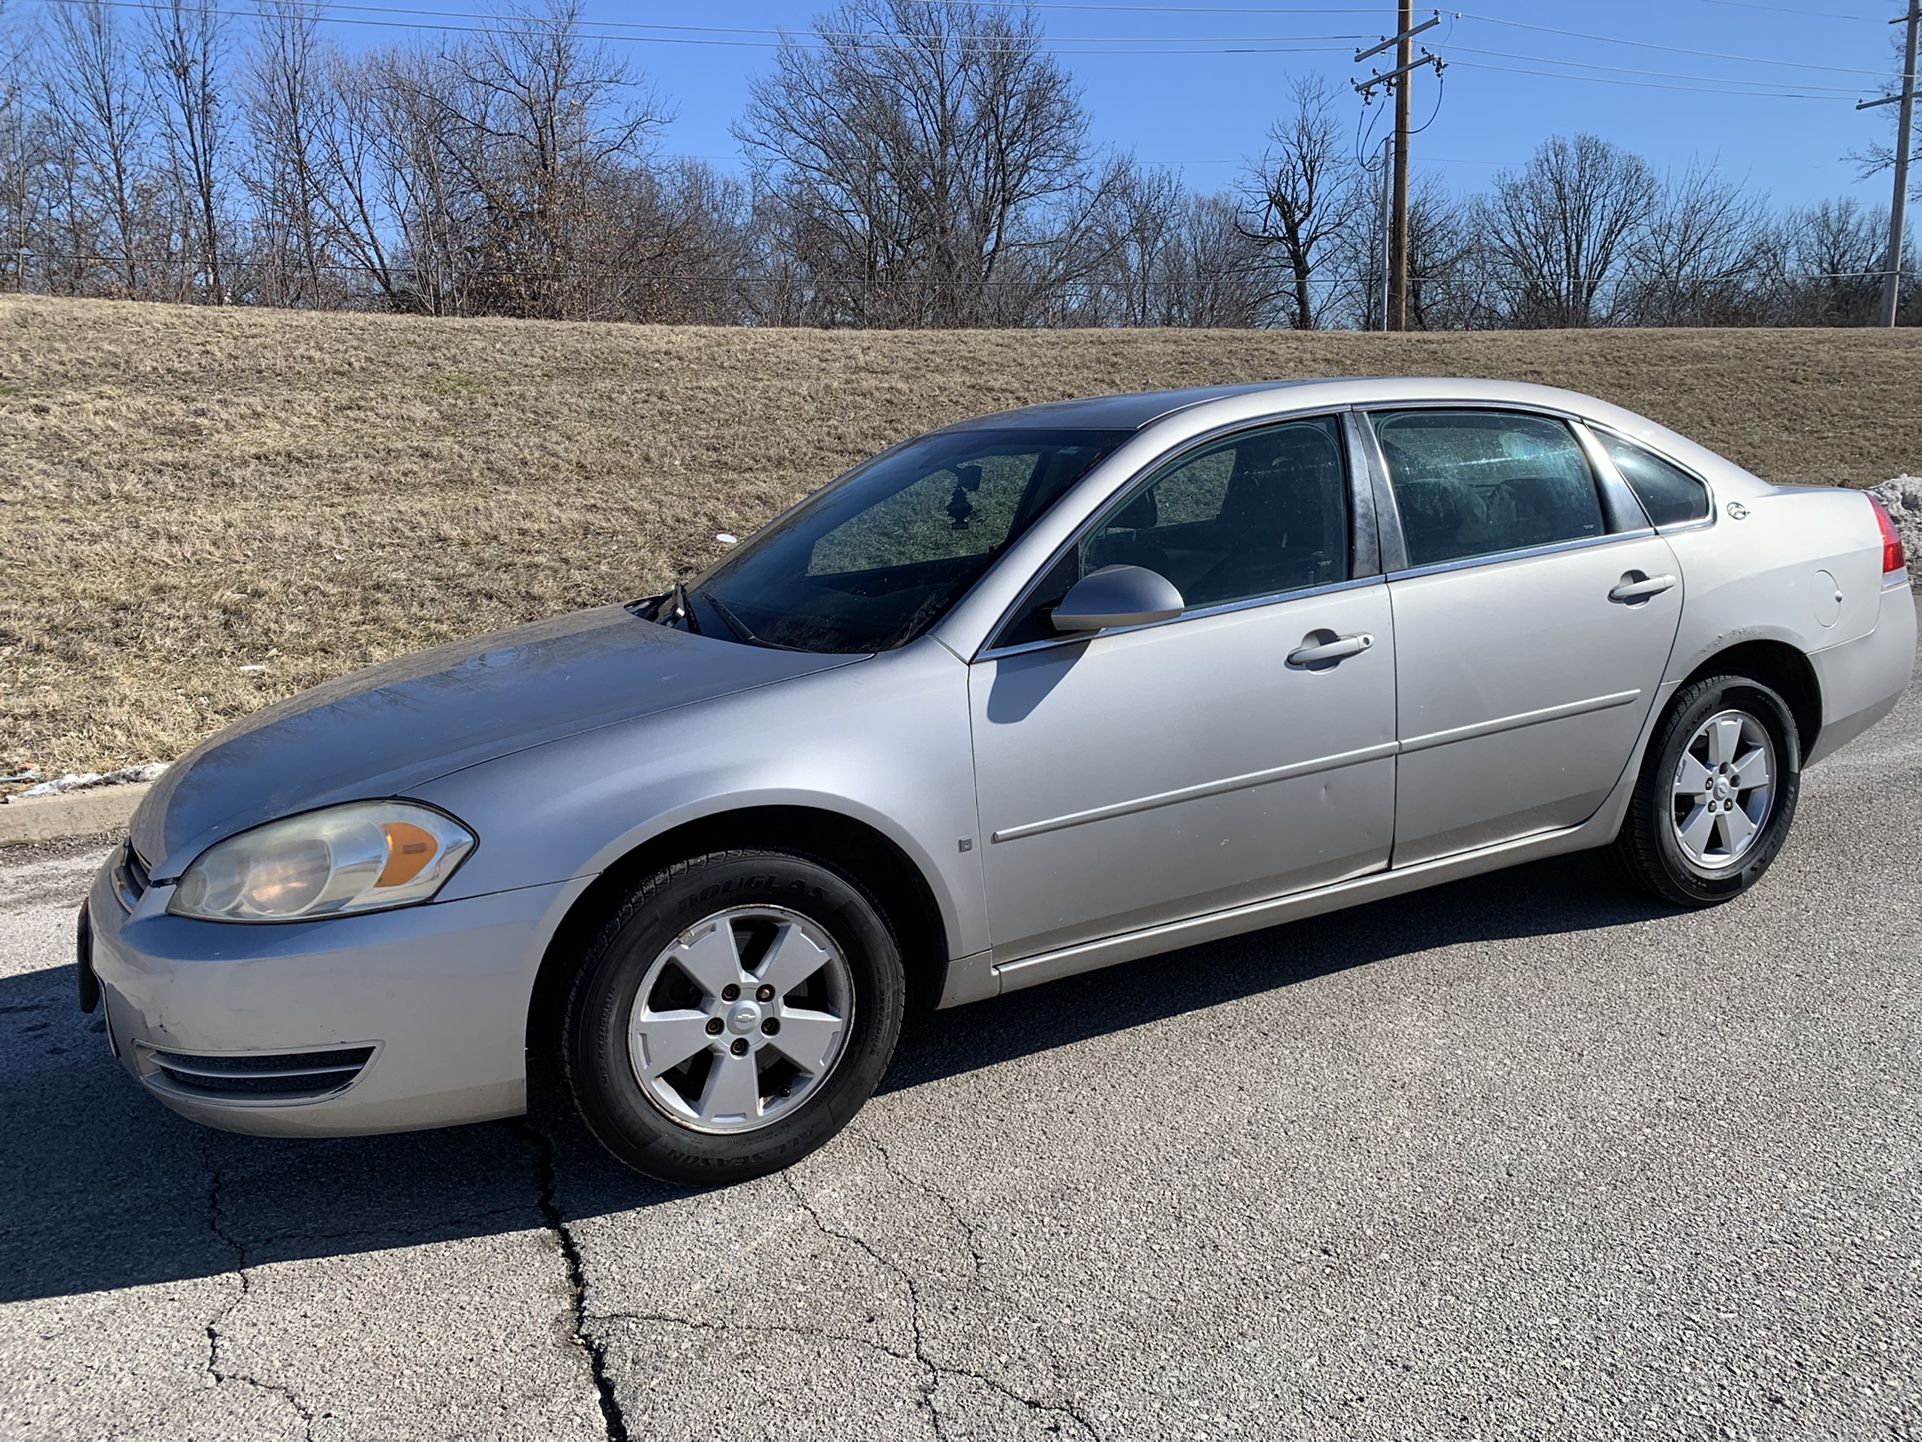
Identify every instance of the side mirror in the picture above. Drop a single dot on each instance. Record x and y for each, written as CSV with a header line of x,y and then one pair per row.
x,y
1117,596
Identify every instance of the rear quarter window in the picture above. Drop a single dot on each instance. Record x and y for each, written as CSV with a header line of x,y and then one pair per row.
x,y
1669,494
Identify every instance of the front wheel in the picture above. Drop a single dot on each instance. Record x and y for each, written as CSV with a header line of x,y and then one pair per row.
x,y
732,1015
1716,795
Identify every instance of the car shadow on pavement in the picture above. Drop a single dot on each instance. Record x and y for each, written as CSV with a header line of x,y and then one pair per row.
x,y
1563,894
103,1188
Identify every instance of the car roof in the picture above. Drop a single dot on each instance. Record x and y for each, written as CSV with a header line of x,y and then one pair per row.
x,y
1127,412
1133,412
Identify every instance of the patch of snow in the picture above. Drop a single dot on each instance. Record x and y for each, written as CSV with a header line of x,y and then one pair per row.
x,y
727,538
88,780
251,670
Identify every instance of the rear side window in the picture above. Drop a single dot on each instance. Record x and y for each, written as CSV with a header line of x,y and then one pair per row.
x,y
1475,483
1669,494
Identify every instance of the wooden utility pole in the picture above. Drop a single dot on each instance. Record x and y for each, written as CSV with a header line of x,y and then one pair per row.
x,y
1904,131
1398,228
1406,64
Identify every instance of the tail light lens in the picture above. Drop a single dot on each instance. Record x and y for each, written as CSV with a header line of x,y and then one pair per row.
x,y
1893,558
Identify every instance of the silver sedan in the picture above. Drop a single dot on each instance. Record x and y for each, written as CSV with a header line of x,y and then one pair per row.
x,y
1031,695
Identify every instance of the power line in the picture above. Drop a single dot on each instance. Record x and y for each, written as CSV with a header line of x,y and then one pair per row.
x,y
1688,50
1168,9
1647,84
1152,46
780,32
1785,9
1372,145
1636,70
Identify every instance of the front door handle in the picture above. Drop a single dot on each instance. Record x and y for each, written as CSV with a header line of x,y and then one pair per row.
x,y
1325,648
1634,586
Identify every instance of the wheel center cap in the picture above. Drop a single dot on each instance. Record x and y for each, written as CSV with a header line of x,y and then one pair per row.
x,y
1721,788
743,1017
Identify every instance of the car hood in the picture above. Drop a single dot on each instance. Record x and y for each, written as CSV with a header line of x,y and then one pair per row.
x,y
398,725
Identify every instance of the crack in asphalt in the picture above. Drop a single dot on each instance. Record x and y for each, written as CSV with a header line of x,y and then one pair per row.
x,y
789,1329
948,1203
217,1224
613,1420
935,1370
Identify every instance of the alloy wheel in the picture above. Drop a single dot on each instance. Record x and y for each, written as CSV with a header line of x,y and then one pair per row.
x,y
1724,789
740,1018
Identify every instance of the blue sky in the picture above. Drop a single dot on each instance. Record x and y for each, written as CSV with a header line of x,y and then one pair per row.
x,y
1205,112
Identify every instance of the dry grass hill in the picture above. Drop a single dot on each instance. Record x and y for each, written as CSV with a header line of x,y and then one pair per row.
x,y
201,511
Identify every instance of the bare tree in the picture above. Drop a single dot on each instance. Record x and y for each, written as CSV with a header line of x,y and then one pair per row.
x,y
1215,274
102,110
1824,265
186,56
391,192
1695,257
1447,279
929,161
1137,230
1559,229
26,153
285,105
539,118
1303,195
1169,257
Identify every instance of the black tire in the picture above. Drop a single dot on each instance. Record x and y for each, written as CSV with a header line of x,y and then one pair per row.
x,y
594,1047
1646,852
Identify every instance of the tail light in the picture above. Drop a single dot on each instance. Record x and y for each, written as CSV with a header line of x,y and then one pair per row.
x,y
1893,558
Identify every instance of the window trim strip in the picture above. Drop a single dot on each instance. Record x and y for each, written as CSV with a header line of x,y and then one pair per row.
x,y
1523,553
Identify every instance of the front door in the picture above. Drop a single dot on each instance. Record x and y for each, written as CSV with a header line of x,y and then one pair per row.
x,y
1531,635
1165,771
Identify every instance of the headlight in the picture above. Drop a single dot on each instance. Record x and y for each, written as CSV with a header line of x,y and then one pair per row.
x,y
364,856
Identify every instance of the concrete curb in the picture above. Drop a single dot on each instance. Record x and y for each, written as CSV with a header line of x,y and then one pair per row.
x,y
64,818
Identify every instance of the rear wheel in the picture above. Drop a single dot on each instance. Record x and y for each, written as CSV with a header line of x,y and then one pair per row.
x,y
732,1015
1717,793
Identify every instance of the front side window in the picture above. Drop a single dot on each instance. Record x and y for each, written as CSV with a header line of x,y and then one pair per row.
x,y
872,561
1474,483
1669,494
1258,514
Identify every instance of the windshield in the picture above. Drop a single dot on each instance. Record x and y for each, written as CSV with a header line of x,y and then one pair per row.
x,y
873,560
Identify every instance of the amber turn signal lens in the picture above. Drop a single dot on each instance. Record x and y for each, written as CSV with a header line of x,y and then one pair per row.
x,y
409,849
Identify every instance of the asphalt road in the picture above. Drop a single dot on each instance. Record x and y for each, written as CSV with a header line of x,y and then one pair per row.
x,y
1520,1157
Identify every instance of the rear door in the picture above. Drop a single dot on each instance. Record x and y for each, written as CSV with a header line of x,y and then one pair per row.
x,y
1158,772
1534,614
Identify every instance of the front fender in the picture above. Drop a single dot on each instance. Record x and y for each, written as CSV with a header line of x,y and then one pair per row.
x,y
885,743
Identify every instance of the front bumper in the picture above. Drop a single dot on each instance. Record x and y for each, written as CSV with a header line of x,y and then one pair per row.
x,y
385,1022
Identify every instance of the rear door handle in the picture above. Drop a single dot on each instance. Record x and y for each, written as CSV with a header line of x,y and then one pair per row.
x,y
1320,652
1636,587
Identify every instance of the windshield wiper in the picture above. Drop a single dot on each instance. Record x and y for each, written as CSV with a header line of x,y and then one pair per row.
x,y
667,608
737,625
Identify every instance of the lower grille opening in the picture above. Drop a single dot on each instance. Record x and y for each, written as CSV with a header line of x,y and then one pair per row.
x,y
285,1076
